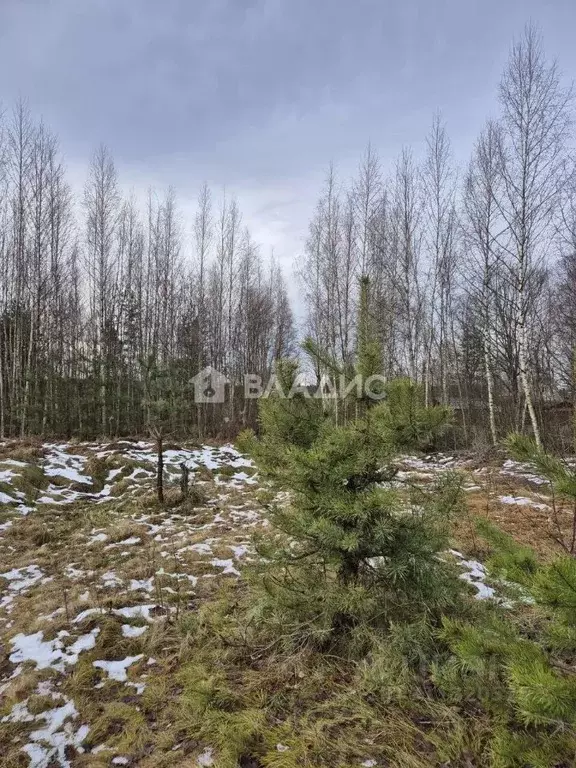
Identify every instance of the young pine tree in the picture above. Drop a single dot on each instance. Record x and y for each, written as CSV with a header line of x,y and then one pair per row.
x,y
351,556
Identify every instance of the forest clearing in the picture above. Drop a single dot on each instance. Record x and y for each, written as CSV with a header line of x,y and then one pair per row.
x,y
106,595
287,458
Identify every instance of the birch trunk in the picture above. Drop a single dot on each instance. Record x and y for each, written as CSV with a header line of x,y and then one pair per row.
x,y
522,358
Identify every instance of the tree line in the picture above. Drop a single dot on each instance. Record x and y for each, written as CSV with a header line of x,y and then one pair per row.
x,y
106,315
108,308
472,270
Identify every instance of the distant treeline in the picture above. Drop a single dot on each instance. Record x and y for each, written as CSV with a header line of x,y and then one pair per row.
x,y
108,308
473,270
107,312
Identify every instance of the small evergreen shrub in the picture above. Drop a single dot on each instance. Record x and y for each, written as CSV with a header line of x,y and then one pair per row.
x,y
522,669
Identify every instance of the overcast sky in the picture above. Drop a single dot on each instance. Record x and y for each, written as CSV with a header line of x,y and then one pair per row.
x,y
260,95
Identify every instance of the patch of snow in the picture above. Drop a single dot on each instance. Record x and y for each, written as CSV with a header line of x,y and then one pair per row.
x,y
75,573
206,758
110,579
88,612
522,501
227,565
139,471
19,581
244,478
130,612
22,578
98,538
147,585
136,611
240,515
69,474
523,471
126,542
14,463
240,550
116,670
129,631
202,548
6,475
475,575
52,741
51,616
50,653
19,714
192,579
83,643
100,748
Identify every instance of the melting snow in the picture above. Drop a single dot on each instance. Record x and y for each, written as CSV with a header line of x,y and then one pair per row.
x,y
202,548
136,611
69,474
147,585
523,471
206,758
139,687
522,501
22,578
88,612
75,573
50,653
59,462
129,631
240,550
110,579
243,477
117,669
130,612
19,581
475,575
125,542
227,565
54,739
98,537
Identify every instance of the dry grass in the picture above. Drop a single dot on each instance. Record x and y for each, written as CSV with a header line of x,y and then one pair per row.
x,y
58,540
211,681
525,523
22,450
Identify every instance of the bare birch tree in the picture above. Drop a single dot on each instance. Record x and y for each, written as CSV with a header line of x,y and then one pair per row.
x,y
101,201
536,119
482,231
